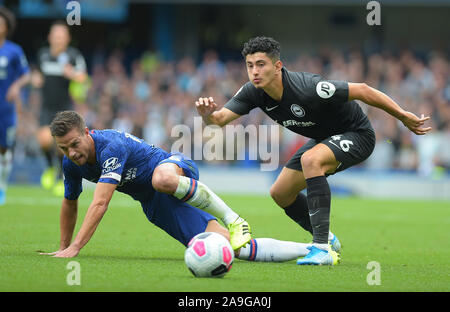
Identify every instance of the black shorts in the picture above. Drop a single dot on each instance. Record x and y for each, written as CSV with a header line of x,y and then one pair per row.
x,y
349,148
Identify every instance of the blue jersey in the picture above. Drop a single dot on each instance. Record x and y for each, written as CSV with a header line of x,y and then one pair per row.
x,y
121,159
129,162
13,64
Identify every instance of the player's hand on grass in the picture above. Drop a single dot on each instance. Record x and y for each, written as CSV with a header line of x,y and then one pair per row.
x,y
414,123
69,252
205,106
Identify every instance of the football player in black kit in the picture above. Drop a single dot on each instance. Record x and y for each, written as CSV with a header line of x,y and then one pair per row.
x,y
324,111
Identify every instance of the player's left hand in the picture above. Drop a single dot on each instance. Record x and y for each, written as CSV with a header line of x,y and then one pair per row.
x,y
69,252
414,123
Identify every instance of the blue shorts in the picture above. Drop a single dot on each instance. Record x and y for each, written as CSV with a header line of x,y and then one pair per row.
x,y
7,130
188,165
180,220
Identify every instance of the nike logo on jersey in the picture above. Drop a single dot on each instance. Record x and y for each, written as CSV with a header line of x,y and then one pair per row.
x,y
271,108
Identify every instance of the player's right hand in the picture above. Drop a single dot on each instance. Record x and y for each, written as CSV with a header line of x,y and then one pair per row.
x,y
205,106
415,124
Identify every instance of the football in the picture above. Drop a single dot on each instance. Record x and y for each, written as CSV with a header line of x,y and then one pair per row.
x,y
209,254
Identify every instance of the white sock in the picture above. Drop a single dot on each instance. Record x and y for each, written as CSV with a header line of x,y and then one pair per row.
x,y
272,250
5,169
197,194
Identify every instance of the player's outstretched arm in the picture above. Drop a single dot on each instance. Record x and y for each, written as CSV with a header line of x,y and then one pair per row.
x,y
376,98
207,109
102,196
67,222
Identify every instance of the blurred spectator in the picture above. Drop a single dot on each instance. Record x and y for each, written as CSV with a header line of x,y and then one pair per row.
x,y
58,65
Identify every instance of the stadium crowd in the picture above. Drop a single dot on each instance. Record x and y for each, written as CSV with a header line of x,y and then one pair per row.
x,y
152,96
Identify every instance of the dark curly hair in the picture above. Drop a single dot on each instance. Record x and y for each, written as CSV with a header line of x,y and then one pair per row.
x,y
262,44
65,121
10,19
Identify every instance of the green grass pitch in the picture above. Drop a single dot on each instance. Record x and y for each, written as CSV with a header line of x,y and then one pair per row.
x,y
409,239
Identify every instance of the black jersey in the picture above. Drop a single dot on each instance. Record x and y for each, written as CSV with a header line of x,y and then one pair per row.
x,y
310,106
55,91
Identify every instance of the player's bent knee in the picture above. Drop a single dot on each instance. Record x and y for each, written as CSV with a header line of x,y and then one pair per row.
x,y
276,195
310,160
164,181
273,191
281,198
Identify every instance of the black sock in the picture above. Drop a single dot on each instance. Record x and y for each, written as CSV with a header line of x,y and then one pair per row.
x,y
319,202
298,211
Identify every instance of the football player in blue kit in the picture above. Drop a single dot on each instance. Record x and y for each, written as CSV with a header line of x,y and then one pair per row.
x,y
166,185
14,74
